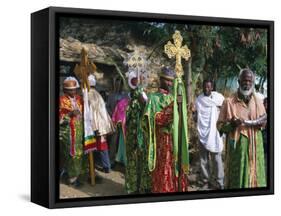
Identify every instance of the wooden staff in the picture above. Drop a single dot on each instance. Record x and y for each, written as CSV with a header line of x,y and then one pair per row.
x,y
83,70
92,168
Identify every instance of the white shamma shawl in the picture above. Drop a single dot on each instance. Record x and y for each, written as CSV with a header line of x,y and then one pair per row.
x,y
101,119
207,116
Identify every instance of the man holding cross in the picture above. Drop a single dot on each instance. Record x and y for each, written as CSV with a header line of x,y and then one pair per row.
x,y
165,117
158,119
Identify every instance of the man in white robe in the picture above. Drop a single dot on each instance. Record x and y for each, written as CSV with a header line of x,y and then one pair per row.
x,y
101,124
211,144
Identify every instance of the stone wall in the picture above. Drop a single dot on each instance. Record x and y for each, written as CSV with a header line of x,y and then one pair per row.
x,y
107,46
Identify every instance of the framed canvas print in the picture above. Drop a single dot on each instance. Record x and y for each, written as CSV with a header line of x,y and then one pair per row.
x,y
137,107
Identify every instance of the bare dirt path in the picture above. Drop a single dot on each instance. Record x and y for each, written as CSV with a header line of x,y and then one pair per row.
x,y
112,184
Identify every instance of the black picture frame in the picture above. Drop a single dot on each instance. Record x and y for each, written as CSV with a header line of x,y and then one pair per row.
x,y
44,94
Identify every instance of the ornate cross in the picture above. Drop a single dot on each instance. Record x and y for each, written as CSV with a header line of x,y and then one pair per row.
x,y
137,62
84,69
178,51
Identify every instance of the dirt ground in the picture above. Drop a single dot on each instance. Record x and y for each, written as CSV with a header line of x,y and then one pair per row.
x,y
110,184
107,184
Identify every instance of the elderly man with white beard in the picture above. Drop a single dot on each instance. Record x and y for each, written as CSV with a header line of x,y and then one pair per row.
x,y
241,118
211,144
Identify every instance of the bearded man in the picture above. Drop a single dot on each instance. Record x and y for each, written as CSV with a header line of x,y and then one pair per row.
x,y
241,118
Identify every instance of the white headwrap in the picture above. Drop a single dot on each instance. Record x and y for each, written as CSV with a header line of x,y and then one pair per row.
x,y
131,76
70,78
92,80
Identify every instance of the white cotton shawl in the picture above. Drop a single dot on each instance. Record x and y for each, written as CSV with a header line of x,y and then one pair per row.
x,y
207,116
101,120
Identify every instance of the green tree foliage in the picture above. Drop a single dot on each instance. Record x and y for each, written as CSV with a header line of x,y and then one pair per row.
x,y
217,51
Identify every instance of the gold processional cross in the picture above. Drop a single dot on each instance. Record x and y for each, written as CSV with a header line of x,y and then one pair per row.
x,y
84,69
178,51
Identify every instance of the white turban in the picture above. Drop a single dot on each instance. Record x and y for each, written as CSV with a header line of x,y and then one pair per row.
x,y
92,80
70,78
132,75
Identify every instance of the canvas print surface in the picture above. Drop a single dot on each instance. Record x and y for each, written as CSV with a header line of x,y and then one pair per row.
x,y
160,107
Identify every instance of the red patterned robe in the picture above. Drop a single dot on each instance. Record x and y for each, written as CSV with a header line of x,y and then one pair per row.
x,y
71,135
75,122
163,176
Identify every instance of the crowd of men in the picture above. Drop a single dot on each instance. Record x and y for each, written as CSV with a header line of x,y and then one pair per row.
x,y
136,130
